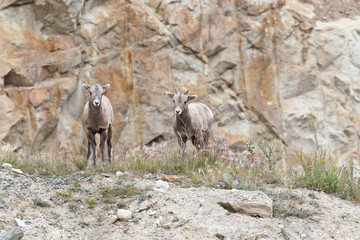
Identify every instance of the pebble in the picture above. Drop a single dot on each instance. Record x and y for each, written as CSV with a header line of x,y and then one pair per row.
x,y
18,171
124,215
106,175
7,165
119,173
112,218
161,186
166,226
20,222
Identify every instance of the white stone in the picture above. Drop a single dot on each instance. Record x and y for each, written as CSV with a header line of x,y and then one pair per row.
x,y
20,223
18,171
124,215
7,165
162,184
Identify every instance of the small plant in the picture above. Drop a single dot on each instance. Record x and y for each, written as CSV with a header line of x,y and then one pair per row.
x,y
272,152
250,147
289,196
79,162
40,203
312,196
157,10
121,205
142,198
120,190
75,187
286,209
91,201
63,195
314,203
73,208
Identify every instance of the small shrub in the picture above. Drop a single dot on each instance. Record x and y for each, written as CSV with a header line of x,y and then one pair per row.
x,y
40,203
75,187
312,196
142,198
314,203
63,195
91,201
249,146
272,152
121,205
73,208
79,162
124,190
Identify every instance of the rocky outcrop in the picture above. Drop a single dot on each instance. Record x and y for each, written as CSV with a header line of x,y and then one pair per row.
x,y
262,66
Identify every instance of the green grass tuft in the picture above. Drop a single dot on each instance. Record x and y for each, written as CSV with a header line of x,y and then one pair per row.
x,y
40,203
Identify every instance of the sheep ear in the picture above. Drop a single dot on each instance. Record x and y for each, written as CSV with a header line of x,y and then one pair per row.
x,y
192,97
106,87
170,95
86,87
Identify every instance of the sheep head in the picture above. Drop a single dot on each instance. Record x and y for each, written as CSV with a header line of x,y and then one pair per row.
x,y
181,101
95,93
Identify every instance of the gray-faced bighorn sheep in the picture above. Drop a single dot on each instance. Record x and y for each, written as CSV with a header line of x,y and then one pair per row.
x,y
191,121
97,117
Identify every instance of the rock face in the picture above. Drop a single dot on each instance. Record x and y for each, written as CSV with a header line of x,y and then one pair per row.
x,y
262,66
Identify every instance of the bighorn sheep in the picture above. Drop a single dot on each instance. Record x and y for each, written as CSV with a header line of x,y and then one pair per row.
x,y
191,121
97,117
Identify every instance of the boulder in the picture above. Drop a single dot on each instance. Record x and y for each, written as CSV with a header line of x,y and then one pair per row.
x,y
251,203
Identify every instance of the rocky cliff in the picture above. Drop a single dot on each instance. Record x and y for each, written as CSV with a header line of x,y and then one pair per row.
x,y
262,66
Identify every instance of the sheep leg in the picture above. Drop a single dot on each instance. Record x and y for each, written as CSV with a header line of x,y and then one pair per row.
x,y
182,143
88,150
206,138
109,145
91,145
103,136
195,141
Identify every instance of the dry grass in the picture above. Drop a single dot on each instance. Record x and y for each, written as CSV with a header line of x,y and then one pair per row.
x,y
322,173
215,167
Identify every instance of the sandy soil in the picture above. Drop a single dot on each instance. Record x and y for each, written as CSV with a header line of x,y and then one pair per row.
x,y
176,212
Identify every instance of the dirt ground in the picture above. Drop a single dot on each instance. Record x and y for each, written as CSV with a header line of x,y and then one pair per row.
x,y
77,210
330,10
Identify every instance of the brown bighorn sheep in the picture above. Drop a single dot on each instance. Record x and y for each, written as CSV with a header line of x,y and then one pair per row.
x,y
97,117
191,121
